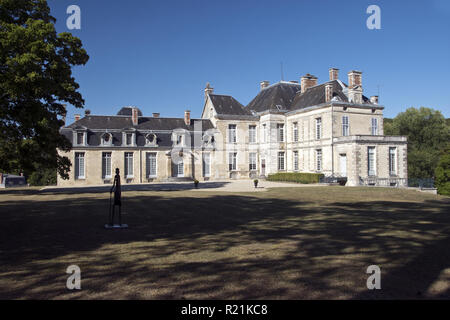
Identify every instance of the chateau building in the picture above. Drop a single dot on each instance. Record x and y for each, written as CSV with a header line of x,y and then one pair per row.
x,y
330,128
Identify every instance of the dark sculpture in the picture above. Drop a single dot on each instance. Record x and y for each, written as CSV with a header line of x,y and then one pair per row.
x,y
117,199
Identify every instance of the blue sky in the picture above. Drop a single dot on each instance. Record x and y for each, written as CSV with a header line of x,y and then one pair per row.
x,y
158,55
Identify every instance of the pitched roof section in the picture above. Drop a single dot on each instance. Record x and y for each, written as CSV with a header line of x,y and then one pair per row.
x,y
227,105
316,95
279,94
144,123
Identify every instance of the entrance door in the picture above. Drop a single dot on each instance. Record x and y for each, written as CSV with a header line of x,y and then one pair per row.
x,y
263,167
343,165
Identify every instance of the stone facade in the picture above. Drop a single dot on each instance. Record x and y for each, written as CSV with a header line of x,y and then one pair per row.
x,y
323,128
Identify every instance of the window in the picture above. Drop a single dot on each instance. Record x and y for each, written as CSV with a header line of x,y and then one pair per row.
x,y
107,139
295,132
206,165
151,165
150,139
295,160
128,164
232,133
180,168
318,128
252,161
371,161
79,165
252,134
106,165
80,138
280,160
179,139
393,161
374,126
345,126
280,129
264,134
232,163
319,159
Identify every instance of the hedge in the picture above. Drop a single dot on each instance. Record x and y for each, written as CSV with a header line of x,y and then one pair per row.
x,y
299,177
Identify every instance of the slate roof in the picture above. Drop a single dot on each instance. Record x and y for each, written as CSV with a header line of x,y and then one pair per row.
x,y
281,94
96,126
227,105
316,95
126,111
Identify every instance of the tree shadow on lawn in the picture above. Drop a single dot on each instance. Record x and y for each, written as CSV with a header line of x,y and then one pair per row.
x,y
216,246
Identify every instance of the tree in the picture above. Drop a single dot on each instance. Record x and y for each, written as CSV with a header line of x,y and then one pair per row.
x,y
442,173
35,80
427,134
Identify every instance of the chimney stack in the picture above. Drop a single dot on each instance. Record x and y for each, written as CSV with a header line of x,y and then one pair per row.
x,y
334,74
187,117
155,114
307,81
328,92
208,90
374,99
134,116
354,79
77,117
264,84
87,112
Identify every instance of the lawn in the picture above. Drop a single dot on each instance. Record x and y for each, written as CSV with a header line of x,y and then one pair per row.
x,y
286,243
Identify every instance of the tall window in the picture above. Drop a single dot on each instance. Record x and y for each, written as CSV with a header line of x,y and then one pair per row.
x,y
345,126
79,165
151,165
106,165
281,165
374,126
318,128
232,133
232,161
264,133
280,130
252,161
319,159
393,161
295,160
128,164
206,165
129,139
371,161
252,134
295,131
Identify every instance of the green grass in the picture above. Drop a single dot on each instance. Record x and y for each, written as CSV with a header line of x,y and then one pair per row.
x,y
286,243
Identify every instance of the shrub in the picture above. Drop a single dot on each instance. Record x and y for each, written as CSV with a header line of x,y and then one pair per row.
x,y
299,177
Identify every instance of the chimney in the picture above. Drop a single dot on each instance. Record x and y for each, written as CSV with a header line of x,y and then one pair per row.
x,y
334,74
328,92
134,116
77,117
354,78
155,114
208,90
187,117
264,84
374,99
87,112
307,81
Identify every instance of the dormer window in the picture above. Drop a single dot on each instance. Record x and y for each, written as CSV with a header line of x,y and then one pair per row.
x,y
80,137
107,139
129,138
151,139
